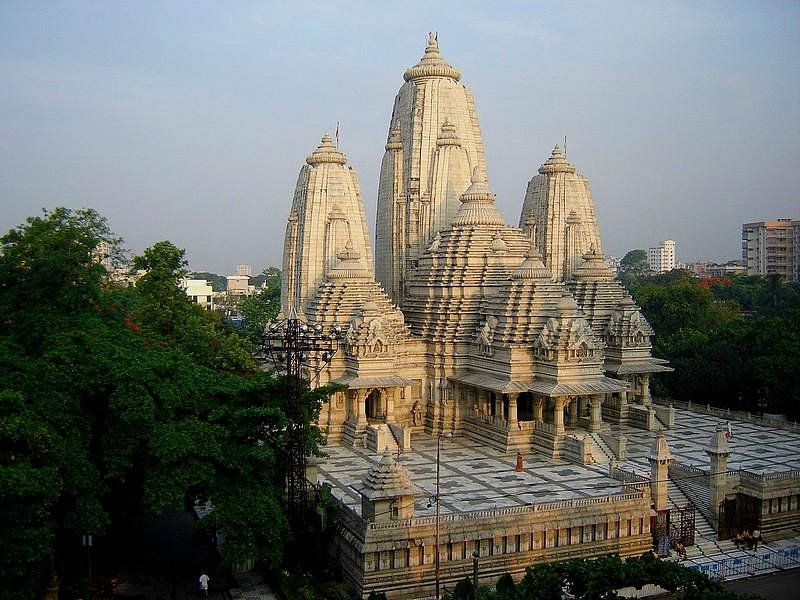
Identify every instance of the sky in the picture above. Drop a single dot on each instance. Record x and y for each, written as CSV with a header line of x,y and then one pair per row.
x,y
189,121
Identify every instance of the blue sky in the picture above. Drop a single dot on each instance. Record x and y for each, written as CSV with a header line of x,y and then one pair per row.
x,y
189,121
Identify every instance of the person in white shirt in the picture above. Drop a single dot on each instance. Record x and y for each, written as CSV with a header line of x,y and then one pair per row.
x,y
204,579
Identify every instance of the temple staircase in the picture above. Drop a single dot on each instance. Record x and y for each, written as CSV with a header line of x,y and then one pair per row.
x,y
706,542
606,454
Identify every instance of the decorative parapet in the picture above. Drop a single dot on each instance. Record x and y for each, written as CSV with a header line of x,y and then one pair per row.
x,y
630,479
540,508
744,474
729,415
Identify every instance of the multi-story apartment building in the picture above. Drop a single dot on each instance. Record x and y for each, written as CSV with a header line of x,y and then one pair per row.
x,y
199,291
772,247
662,257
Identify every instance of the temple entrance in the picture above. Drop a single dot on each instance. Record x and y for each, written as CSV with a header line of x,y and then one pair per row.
x,y
525,407
372,406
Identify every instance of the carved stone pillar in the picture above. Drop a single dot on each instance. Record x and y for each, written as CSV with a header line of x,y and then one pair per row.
x,y
596,415
512,409
538,409
558,413
645,379
573,411
389,405
361,406
499,406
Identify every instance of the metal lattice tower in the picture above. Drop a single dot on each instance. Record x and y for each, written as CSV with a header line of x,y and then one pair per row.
x,y
301,349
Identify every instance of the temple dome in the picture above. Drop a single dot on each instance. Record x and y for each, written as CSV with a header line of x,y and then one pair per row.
x,y
594,267
349,265
387,479
326,152
557,163
532,267
448,136
432,64
477,203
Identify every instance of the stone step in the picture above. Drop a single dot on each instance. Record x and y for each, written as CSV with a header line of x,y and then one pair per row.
x,y
704,531
604,448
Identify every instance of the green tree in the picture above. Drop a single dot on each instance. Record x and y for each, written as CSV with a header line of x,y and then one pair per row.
x,y
262,307
634,268
118,400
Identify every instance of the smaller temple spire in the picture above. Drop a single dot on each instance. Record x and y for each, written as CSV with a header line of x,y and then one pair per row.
x,y
395,140
432,64
326,152
557,163
447,135
532,267
593,267
349,265
477,203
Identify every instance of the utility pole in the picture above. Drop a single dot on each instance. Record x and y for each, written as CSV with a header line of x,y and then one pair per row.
x,y
300,348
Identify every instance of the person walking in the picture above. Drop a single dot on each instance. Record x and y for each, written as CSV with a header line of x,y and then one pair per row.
x,y
204,579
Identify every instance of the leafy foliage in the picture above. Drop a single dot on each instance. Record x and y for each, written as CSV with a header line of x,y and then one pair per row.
x,y
598,579
262,307
735,344
117,400
634,268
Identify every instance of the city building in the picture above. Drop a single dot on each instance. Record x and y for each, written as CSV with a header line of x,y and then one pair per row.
x,y
199,291
769,247
496,403
662,257
239,285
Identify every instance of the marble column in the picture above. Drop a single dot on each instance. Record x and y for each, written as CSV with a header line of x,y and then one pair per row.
x,y
645,379
573,411
360,406
499,405
596,407
512,409
558,414
389,404
538,409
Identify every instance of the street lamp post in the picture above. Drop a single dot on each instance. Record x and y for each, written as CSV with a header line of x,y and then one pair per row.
x,y
475,556
436,552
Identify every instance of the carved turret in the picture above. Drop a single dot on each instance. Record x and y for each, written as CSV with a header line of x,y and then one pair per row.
x,y
559,202
387,492
718,452
659,458
327,206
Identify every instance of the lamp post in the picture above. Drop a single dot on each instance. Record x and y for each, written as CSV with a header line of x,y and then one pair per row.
x,y
436,552
475,556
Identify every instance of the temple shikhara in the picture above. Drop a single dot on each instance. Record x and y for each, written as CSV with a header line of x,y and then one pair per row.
x,y
509,351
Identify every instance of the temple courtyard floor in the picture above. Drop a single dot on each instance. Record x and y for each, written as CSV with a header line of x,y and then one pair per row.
x,y
475,477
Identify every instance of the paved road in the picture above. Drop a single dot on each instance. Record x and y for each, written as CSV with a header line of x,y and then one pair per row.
x,y
777,586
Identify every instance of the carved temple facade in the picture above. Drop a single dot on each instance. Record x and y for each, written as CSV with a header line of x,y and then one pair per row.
x,y
518,338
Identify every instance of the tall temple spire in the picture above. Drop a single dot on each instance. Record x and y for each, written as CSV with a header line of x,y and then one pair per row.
x,y
558,204
326,220
434,142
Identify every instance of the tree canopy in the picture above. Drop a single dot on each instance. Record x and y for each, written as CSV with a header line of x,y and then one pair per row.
x,y
598,579
118,400
734,343
634,267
